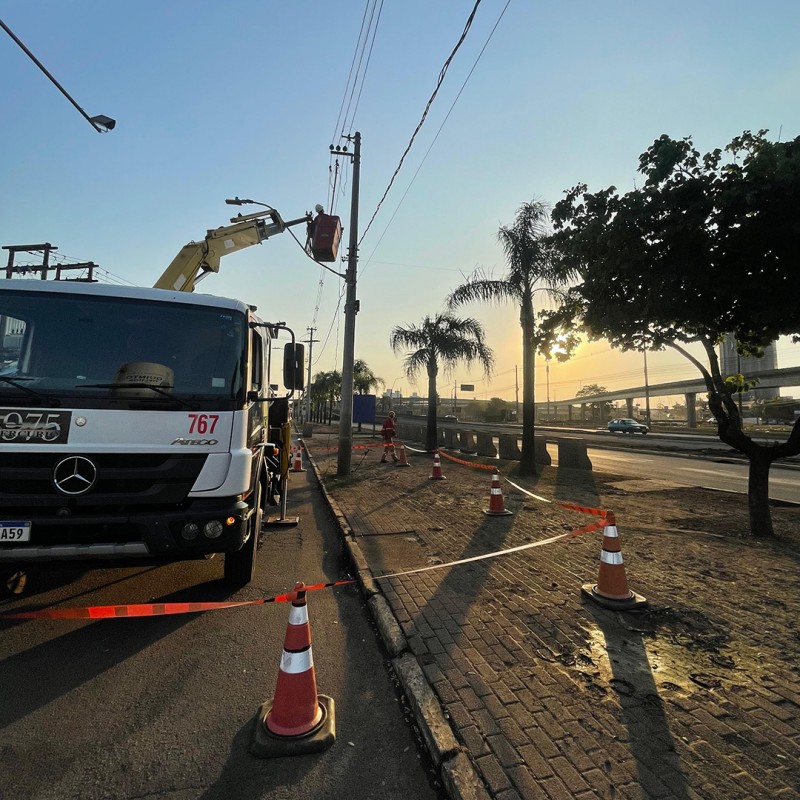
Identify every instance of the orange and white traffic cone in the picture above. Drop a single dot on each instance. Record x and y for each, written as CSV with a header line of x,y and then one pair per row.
x,y
497,507
611,589
297,720
401,460
297,466
436,472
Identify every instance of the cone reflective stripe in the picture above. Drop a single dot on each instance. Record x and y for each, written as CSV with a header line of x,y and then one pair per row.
x,y
400,450
611,589
297,466
496,505
297,720
436,472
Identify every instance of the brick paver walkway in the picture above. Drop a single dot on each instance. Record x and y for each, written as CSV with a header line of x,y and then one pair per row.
x,y
552,696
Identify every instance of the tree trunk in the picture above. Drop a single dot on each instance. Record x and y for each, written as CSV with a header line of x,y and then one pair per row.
x,y
758,495
527,463
431,434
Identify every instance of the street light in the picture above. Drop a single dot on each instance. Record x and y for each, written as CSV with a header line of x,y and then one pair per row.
x,y
101,123
235,201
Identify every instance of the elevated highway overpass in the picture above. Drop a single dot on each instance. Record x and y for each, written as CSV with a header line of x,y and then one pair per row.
x,y
690,388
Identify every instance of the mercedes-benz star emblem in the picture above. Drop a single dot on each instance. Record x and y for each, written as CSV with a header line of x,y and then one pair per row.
x,y
74,475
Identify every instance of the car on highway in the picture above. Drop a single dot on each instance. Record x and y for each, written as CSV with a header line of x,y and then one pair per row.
x,y
450,418
627,426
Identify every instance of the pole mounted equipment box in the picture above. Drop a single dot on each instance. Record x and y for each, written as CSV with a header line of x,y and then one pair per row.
x,y
326,237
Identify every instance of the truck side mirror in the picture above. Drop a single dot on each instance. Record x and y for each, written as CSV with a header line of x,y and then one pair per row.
x,y
294,366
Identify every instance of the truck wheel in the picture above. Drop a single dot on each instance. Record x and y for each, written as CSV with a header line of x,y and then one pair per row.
x,y
240,567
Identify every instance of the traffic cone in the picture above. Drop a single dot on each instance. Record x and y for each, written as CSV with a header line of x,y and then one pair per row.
x,y
436,472
400,449
297,466
611,589
297,720
497,507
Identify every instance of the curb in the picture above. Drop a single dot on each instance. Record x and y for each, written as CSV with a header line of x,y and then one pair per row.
x,y
458,775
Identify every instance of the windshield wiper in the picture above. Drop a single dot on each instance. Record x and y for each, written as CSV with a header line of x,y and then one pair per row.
x,y
157,389
15,382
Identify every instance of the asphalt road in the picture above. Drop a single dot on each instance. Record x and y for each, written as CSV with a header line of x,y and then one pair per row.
x,y
728,475
163,707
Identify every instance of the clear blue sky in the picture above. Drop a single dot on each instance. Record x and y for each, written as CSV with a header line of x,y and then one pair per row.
x,y
215,99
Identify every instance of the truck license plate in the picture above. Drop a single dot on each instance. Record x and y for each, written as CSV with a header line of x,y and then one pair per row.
x,y
15,531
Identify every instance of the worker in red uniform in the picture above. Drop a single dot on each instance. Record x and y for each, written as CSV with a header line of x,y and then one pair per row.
x,y
389,431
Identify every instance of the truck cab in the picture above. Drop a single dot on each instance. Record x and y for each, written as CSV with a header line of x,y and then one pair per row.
x,y
134,424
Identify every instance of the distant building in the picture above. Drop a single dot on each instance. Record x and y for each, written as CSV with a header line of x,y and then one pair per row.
x,y
731,363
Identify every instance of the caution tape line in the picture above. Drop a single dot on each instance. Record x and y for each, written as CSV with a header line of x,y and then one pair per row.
x,y
584,529
472,464
159,609
598,512
171,609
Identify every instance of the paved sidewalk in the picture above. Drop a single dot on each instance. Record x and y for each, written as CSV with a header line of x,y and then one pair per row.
x,y
529,690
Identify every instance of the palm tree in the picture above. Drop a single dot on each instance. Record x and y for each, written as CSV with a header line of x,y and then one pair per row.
x,y
364,378
326,390
442,340
530,255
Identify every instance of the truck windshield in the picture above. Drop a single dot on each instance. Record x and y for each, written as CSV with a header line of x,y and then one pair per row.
x,y
111,349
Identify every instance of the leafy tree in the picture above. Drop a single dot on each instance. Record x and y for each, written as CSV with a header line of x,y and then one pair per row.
x,y
599,409
531,268
440,341
496,409
707,246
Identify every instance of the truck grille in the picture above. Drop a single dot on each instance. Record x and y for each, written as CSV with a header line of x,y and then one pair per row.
x,y
125,481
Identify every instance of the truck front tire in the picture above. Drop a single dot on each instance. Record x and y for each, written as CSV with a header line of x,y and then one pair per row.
x,y
240,567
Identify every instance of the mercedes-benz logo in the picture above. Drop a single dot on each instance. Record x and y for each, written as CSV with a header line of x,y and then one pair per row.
x,y
74,475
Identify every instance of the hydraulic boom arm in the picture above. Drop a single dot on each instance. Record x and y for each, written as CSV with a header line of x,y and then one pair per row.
x,y
196,259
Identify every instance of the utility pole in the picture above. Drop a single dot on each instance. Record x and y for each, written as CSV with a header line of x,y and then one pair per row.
x,y
350,311
646,390
516,384
310,341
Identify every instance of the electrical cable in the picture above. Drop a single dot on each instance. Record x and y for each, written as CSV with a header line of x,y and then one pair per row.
x,y
442,74
433,142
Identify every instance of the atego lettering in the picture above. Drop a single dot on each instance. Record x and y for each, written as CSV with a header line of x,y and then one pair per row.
x,y
194,441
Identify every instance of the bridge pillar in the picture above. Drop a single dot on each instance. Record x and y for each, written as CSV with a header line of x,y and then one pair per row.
x,y
629,404
691,409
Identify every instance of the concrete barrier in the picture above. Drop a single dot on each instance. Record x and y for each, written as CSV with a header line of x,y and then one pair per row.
x,y
486,444
509,449
450,438
308,430
467,442
540,454
572,454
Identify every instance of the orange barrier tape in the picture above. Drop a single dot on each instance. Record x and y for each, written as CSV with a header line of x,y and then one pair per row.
x,y
472,464
158,609
598,512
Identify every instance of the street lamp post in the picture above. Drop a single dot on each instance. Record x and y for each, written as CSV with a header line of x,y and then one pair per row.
x,y
100,122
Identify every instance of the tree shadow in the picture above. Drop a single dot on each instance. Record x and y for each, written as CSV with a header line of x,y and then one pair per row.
x,y
576,486
642,712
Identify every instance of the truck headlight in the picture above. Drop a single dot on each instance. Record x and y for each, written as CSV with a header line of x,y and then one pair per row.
x,y
213,529
190,531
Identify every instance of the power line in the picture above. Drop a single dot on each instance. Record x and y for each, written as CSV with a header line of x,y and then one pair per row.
x,y
435,138
442,74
